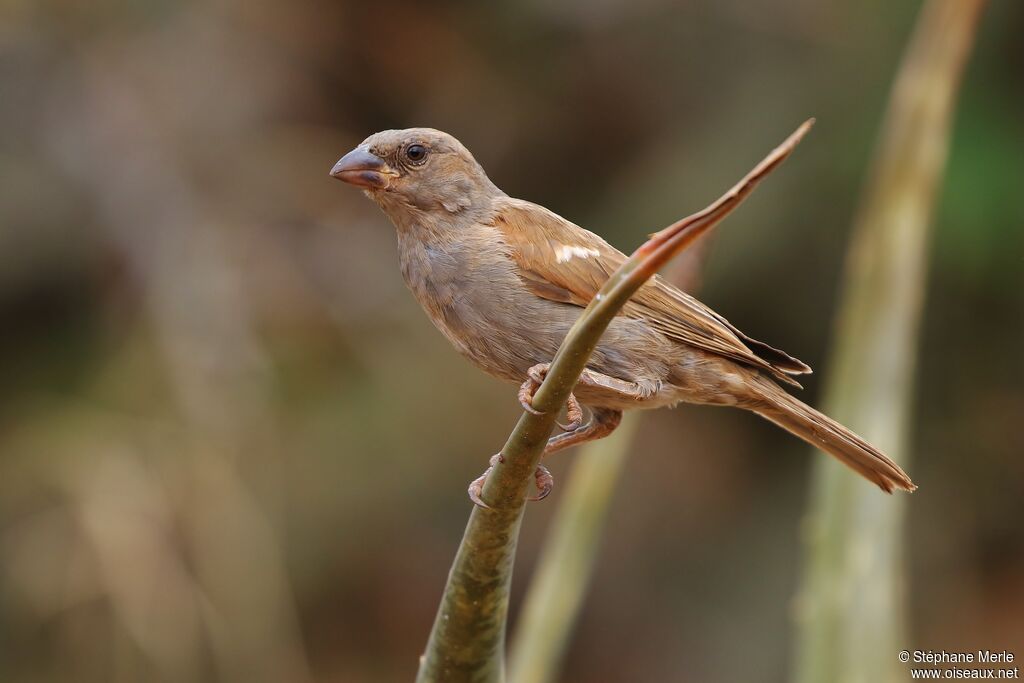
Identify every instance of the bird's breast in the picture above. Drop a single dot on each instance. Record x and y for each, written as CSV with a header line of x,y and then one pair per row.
x,y
471,293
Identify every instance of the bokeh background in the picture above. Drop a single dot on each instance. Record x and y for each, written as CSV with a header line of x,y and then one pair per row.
x,y
232,448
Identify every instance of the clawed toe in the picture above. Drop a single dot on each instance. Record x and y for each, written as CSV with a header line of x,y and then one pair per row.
x,y
526,396
538,372
545,482
476,487
575,414
536,375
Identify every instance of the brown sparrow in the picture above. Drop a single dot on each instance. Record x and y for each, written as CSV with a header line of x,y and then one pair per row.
x,y
504,279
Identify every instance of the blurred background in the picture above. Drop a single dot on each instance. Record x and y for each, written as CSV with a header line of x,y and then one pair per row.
x,y
232,448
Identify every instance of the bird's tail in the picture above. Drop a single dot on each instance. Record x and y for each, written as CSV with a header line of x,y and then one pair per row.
x,y
825,433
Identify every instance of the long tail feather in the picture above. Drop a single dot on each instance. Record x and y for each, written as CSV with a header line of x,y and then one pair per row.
x,y
824,433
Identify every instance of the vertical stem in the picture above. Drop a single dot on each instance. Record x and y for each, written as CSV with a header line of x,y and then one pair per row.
x,y
850,616
473,649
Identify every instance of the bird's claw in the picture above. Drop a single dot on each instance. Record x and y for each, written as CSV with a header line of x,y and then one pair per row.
x,y
574,412
476,487
545,482
538,372
526,396
541,476
536,375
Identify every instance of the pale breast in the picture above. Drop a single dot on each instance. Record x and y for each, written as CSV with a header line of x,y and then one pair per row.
x,y
474,298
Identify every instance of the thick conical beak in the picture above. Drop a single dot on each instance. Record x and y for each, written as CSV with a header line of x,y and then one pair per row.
x,y
361,167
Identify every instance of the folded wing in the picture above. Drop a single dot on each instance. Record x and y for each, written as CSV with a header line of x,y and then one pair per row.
x,y
560,261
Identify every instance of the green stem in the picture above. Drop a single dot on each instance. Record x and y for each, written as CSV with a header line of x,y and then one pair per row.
x,y
850,608
567,560
467,640
555,595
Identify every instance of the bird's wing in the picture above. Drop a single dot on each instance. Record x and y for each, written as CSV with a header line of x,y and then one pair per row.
x,y
560,261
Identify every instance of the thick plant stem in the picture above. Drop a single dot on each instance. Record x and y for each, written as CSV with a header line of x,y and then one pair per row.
x,y
850,616
566,562
467,640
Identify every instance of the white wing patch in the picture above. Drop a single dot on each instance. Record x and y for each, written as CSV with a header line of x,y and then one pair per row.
x,y
566,252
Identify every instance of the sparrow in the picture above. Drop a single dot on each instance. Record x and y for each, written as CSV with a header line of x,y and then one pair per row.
x,y
504,279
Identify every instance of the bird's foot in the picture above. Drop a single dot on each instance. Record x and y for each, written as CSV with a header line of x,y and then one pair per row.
x,y
535,377
526,390
574,412
476,487
543,479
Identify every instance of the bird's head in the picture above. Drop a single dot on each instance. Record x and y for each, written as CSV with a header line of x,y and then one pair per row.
x,y
416,168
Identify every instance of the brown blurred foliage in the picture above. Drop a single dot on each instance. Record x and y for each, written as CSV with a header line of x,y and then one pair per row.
x,y
231,447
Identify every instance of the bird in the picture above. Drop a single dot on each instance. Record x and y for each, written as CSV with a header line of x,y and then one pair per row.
x,y
503,279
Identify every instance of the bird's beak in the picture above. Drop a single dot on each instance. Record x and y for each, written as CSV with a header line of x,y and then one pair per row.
x,y
363,168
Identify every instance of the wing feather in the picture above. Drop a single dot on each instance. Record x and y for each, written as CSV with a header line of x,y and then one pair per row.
x,y
560,261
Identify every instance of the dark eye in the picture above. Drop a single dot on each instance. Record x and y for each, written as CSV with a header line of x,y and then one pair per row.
x,y
416,153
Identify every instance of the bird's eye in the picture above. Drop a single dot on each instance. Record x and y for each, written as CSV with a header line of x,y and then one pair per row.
x,y
416,153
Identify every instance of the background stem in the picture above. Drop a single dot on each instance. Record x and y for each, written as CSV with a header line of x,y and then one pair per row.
x,y
850,616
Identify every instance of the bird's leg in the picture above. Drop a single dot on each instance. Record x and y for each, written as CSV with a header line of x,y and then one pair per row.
x,y
603,422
